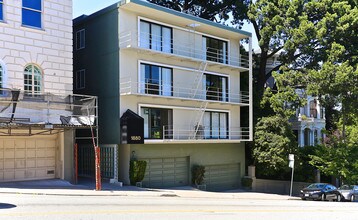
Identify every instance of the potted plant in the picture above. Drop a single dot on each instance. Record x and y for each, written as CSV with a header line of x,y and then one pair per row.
x,y
137,171
198,175
246,182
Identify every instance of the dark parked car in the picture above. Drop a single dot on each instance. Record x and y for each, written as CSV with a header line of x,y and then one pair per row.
x,y
349,192
321,191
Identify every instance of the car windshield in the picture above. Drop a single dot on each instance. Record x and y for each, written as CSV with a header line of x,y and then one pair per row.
x,y
346,187
316,186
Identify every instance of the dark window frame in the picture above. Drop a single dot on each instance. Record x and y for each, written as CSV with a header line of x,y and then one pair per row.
x,y
79,83
220,96
160,127
161,35
81,39
146,91
211,58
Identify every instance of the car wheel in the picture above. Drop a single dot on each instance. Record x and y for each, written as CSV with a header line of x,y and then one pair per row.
x,y
352,198
339,198
323,197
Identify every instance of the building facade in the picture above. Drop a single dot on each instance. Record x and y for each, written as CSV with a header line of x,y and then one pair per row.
x,y
36,100
182,75
309,123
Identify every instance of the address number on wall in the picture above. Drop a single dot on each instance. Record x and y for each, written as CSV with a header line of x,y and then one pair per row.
x,y
136,138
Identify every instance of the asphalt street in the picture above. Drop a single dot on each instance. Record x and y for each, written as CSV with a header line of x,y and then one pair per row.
x,y
22,206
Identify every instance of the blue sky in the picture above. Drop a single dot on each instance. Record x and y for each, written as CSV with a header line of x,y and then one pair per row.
x,y
88,7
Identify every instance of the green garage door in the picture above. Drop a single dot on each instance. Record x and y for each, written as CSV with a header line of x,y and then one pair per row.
x,y
222,177
166,172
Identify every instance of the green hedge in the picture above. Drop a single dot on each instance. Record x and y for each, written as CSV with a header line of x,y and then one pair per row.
x,y
137,171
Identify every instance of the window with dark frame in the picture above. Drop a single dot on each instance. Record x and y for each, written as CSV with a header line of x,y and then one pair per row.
x,y
32,13
80,39
155,120
80,79
216,50
156,80
156,37
216,87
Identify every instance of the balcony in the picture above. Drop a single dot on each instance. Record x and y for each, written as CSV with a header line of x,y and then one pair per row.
x,y
213,56
46,110
183,92
205,134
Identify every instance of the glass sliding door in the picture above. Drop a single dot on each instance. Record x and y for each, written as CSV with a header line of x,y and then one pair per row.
x,y
215,125
155,119
156,37
156,80
216,87
216,50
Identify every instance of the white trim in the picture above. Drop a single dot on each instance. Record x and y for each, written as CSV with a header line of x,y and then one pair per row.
x,y
179,28
182,68
140,105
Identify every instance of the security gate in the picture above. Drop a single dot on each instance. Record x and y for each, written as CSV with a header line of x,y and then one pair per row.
x,y
86,166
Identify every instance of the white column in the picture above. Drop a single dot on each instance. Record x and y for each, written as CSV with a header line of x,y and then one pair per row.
x,y
312,137
251,116
301,137
319,110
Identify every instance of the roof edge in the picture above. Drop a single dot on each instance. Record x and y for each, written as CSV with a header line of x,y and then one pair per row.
x,y
188,16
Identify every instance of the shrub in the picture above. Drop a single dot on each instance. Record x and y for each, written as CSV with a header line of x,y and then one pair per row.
x,y
246,182
137,171
198,174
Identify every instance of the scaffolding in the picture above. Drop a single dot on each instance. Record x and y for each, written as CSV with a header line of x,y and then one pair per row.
x,y
27,114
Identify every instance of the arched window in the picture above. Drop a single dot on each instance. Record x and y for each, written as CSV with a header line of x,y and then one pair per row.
x,y
313,108
32,80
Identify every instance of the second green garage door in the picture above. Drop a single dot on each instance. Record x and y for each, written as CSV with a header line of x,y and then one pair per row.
x,y
222,177
166,172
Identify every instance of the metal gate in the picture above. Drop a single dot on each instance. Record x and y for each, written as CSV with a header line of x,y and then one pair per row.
x,y
86,165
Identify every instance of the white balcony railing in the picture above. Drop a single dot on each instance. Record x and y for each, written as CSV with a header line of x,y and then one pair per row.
x,y
129,86
131,39
22,108
171,132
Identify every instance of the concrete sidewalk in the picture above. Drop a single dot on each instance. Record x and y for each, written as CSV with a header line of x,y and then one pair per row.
x,y
86,188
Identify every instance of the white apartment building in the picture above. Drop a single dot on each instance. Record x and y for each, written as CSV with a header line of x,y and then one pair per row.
x,y
181,75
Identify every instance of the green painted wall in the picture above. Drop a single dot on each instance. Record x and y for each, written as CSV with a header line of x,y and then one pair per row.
x,y
100,59
203,154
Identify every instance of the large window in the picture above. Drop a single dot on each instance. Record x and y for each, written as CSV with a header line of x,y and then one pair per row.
x,y
313,108
32,80
216,87
80,79
156,80
216,50
32,13
156,37
215,125
155,119
80,39
1,10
